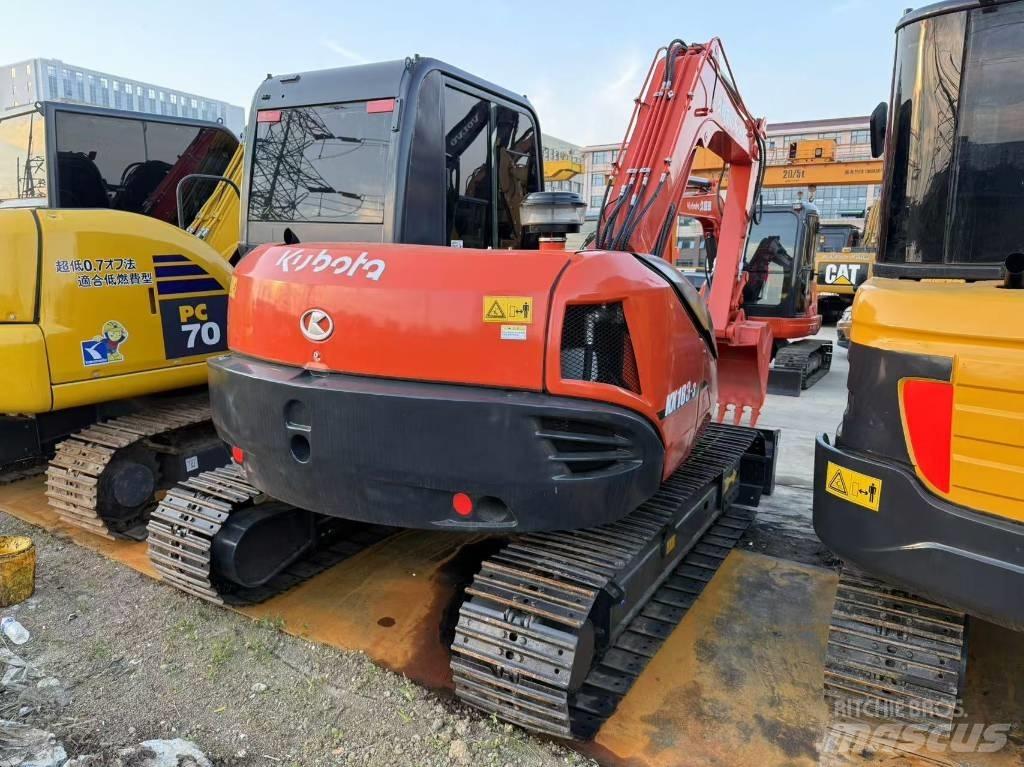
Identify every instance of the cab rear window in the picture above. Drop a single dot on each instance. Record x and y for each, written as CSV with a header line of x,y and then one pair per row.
x,y
321,163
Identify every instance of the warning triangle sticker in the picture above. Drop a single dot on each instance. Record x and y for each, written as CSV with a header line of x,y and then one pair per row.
x,y
842,281
495,312
837,483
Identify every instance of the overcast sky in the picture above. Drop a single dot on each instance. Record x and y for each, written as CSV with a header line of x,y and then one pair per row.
x,y
580,63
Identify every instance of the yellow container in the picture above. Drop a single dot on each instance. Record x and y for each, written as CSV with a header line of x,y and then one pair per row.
x,y
17,569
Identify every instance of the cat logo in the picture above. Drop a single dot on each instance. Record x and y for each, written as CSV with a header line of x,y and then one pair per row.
x,y
842,274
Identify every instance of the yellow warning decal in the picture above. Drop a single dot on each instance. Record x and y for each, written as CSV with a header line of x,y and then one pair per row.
x,y
853,486
510,310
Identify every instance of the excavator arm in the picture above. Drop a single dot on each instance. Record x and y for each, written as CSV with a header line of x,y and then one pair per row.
x,y
690,101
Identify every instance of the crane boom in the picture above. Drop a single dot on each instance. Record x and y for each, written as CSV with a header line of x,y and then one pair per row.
x,y
690,101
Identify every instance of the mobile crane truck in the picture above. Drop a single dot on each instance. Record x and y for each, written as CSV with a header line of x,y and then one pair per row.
x,y
921,489
561,402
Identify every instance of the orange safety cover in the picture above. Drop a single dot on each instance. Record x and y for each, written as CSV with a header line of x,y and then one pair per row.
x,y
413,312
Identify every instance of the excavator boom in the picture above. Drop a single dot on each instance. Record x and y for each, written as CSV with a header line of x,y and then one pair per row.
x,y
690,101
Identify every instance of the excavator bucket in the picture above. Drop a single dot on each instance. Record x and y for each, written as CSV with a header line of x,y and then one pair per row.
x,y
743,363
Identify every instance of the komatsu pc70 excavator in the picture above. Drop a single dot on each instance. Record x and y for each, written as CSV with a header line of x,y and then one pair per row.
x,y
106,306
560,401
921,491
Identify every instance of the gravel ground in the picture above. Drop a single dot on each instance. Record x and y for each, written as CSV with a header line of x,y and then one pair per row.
x,y
142,662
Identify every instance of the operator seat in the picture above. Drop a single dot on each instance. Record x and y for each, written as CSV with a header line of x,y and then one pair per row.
x,y
81,184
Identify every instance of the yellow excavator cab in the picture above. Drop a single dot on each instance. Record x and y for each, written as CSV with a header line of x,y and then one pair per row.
x,y
104,297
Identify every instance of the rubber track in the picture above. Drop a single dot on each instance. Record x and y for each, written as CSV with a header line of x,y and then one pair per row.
x,y
184,525
525,617
798,355
74,473
893,656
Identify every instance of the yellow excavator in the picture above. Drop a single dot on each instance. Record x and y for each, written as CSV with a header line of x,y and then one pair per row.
x,y
107,306
922,488
843,262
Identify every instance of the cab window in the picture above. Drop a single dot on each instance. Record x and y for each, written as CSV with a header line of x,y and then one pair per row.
x,y
134,165
956,143
771,248
515,164
468,168
22,159
325,164
491,165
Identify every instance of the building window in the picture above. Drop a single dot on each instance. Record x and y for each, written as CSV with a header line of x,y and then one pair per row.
x,y
860,137
596,200
597,179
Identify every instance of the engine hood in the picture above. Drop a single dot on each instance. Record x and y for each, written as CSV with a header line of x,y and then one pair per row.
x,y
413,312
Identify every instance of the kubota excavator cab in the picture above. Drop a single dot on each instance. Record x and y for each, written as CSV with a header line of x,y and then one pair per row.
x,y
780,265
780,291
411,151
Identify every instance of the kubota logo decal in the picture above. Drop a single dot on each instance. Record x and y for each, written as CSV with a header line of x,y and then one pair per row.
x,y
345,266
316,325
699,206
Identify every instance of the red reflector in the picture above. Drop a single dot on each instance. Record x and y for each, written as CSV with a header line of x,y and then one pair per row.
x,y
462,504
928,414
238,455
269,116
380,105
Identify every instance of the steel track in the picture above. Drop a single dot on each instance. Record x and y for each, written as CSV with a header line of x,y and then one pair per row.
x,y
808,358
893,656
525,648
183,527
74,473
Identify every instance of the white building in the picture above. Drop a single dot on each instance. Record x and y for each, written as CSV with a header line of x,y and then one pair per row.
x,y
54,80
853,143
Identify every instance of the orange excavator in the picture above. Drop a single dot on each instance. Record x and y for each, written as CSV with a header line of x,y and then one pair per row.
x,y
560,402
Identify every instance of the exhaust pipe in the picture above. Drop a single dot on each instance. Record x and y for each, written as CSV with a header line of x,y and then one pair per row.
x,y
1013,279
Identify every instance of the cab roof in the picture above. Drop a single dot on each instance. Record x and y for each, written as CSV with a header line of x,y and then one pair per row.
x,y
361,82
947,6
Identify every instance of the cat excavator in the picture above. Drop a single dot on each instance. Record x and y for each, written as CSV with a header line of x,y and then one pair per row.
x,y
920,490
486,381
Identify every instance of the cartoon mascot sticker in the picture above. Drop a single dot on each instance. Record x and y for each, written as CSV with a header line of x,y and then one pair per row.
x,y
106,347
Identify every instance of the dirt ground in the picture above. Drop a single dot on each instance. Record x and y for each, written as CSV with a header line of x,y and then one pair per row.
x,y
141,661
